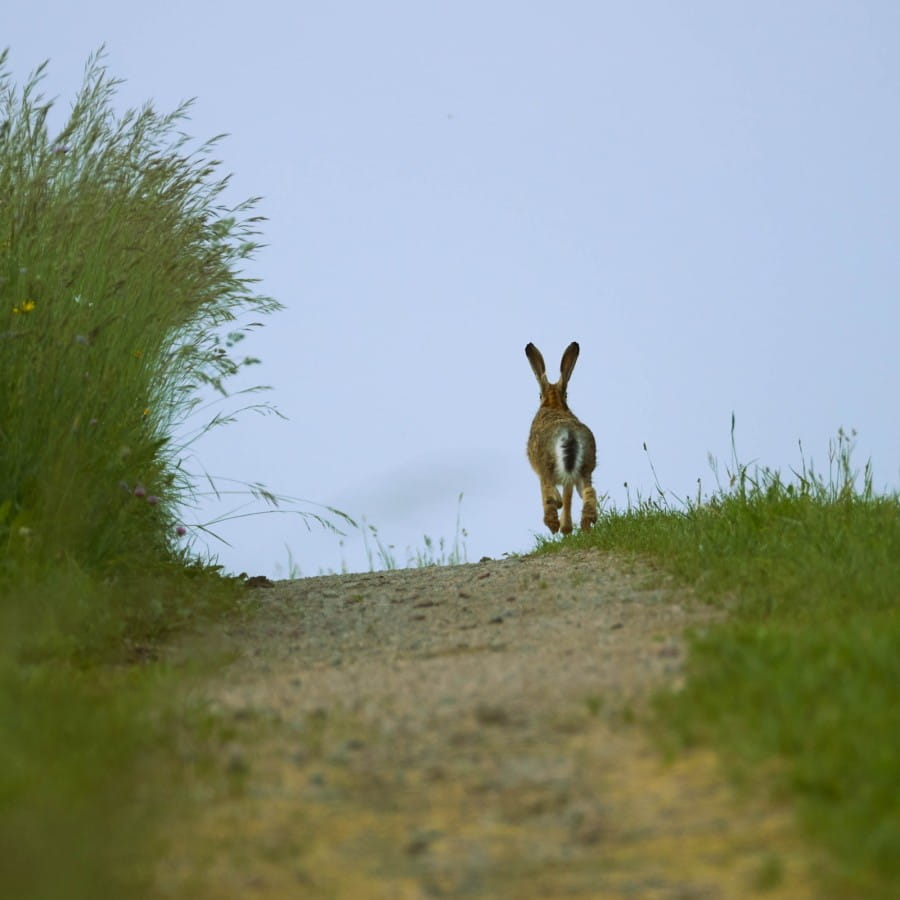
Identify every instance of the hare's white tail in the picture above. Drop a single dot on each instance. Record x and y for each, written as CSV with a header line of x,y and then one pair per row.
x,y
568,452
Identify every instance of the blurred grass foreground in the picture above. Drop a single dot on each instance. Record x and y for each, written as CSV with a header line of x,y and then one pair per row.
x,y
120,269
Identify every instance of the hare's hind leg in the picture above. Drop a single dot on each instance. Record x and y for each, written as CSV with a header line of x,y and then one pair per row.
x,y
566,524
552,502
588,507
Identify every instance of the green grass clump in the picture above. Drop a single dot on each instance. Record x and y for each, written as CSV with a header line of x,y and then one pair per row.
x,y
804,676
119,268
120,277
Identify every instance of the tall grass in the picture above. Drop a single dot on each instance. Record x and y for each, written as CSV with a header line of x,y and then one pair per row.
x,y
804,677
121,284
119,267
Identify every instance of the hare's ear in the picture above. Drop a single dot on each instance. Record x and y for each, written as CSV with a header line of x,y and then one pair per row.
x,y
537,362
569,359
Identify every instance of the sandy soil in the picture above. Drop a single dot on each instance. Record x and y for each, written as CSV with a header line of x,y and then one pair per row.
x,y
469,731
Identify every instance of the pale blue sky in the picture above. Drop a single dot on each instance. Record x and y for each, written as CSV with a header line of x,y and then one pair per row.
x,y
704,194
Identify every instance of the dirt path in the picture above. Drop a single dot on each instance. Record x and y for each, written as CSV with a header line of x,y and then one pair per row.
x,y
466,732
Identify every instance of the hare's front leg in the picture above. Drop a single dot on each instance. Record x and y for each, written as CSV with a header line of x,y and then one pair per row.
x,y
566,524
552,502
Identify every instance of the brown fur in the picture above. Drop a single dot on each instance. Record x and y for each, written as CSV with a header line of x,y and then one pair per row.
x,y
553,419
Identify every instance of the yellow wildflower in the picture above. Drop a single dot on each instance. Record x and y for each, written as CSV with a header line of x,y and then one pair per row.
x,y
26,307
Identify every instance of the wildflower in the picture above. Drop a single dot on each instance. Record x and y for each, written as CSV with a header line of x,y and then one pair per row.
x,y
181,531
153,499
146,411
23,308
139,490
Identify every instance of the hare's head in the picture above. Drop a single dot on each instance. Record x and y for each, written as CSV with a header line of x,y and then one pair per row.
x,y
553,394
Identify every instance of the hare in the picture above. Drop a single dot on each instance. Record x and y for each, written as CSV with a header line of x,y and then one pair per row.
x,y
561,449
